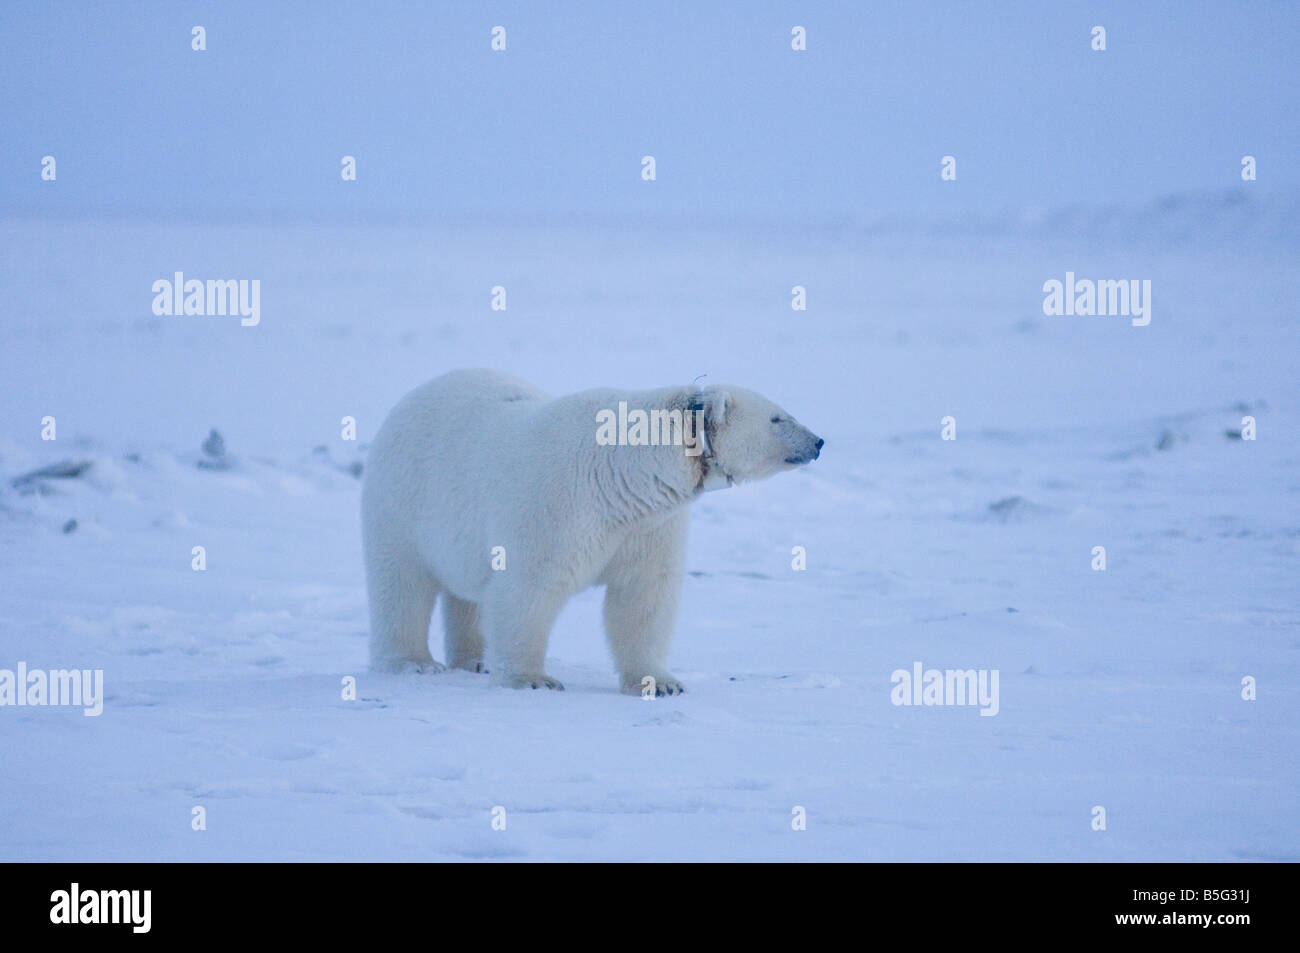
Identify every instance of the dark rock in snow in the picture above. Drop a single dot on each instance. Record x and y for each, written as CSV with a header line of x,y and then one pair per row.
x,y
63,470
1010,508
214,448
1168,440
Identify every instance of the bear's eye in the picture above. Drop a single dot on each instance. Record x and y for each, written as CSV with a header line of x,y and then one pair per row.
x,y
776,420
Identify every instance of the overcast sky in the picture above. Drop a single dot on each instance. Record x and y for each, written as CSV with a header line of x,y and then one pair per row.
x,y
739,124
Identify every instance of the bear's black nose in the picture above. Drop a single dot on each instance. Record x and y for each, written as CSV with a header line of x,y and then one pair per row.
x,y
818,451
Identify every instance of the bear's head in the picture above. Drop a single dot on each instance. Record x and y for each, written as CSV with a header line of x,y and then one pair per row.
x,y
747,437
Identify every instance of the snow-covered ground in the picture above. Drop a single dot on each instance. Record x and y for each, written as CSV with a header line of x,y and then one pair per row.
x,y
1119,689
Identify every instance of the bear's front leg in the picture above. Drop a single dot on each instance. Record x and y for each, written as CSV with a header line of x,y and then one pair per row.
x,y
643,591
517,622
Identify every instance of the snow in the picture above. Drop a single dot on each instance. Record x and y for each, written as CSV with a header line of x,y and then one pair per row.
x,y
1119,688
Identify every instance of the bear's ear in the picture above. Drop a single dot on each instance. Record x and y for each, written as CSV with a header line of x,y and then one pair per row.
x,y
715,404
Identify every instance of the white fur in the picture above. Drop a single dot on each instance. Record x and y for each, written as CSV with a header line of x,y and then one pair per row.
x,y
475,459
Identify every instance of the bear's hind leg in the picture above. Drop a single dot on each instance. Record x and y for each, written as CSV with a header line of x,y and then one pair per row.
x,y
401,603
463,636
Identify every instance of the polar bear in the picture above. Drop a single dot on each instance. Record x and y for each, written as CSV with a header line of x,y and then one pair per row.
x,y
506,502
